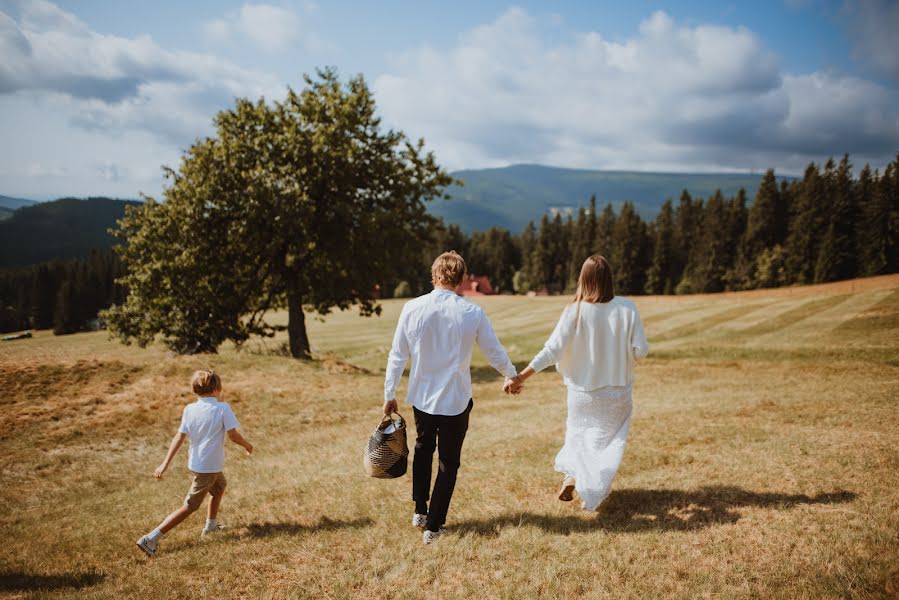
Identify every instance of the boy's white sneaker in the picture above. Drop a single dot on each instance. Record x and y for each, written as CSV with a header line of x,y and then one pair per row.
x,y
211,532
420,521
148,546
429,537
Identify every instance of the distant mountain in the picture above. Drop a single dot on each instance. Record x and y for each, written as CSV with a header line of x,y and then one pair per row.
x,y
66,228
509,197
14,203
5,213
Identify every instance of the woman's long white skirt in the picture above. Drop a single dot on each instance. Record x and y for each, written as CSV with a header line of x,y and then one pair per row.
x,y
595,435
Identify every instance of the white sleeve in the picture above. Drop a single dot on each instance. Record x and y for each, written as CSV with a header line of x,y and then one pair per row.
x,y
183,427
552,350
493,349
638,338
396,360
229,418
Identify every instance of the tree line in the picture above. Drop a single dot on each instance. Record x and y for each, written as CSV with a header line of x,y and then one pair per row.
x,y
65,295
825,226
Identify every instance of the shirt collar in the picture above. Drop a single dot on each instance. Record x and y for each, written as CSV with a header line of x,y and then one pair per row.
x,y
206,399
442,291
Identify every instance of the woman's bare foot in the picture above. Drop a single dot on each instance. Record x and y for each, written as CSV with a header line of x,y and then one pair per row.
x,y
566,493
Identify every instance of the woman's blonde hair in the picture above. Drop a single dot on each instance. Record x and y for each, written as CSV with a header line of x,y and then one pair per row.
x,y
448,269
594,284
205,382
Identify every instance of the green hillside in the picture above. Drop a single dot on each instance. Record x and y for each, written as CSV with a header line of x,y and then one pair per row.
x,y
66,228
509,197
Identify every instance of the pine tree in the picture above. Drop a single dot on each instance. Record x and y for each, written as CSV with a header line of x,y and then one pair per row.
x,y
686,220
763,229
709,255
836,257
872,228
661,278
629,251
605,224
527,276
737,215
581,243
804,229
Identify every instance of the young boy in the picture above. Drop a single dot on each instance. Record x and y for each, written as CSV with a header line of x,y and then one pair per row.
x,y
205,423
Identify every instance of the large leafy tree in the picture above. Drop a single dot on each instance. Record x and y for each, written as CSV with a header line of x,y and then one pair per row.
x,y
306,203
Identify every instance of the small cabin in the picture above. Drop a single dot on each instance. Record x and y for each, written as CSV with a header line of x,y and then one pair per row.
x,y
476,285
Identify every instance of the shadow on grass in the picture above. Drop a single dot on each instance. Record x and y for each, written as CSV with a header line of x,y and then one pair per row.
x,y
288,528
635,510
23,582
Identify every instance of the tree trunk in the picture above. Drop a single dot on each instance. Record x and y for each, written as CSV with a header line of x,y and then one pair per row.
x,y
296,321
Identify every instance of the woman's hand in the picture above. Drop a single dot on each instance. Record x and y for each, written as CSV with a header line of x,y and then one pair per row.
x,y
513,385
389,406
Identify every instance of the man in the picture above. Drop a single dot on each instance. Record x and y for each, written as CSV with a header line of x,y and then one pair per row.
x,y
438,331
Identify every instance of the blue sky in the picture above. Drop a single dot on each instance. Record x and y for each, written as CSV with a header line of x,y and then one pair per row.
x,y
96,96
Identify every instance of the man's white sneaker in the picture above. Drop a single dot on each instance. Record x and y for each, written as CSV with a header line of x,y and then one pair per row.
x,y
419,521
429,537
148,546
208,533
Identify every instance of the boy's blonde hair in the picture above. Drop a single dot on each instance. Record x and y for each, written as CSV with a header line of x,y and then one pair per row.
x,y
448,269
205,382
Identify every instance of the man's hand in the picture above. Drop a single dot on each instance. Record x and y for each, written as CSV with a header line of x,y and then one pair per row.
x,y
248,448
513,385
389,406
160,470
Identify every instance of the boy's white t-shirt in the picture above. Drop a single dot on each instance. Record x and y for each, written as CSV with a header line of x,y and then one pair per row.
x,y
205,423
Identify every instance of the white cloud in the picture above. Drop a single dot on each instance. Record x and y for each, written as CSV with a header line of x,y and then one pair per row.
x,y
217,30
672,97
269,27
115,84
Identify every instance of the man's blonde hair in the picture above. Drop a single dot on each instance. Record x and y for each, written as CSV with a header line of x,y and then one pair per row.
x,y
205,382
448,269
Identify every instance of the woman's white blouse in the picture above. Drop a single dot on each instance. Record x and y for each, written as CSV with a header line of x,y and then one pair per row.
x,y
599,349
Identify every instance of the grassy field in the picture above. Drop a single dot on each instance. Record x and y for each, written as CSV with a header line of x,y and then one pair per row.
x,y
763,462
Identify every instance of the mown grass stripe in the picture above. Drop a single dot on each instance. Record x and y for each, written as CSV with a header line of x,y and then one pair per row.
x,y
791,317
882,316
704,324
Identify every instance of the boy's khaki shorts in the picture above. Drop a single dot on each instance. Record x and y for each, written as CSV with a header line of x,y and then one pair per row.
x,y
204,483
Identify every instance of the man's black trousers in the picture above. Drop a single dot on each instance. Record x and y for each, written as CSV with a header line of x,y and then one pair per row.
x,y
445,434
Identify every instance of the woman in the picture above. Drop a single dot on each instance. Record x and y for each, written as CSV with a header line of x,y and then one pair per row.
x,y
594,347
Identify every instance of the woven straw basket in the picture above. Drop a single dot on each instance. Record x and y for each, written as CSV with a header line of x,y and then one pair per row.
x,y
387,454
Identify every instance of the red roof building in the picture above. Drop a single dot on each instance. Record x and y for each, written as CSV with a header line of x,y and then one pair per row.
x,y
476,285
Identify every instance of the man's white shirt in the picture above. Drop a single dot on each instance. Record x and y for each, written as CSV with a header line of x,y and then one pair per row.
x,y
439,331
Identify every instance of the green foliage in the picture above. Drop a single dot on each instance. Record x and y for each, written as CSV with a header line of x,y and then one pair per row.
x,y
520,283
770,268
660,278
62,295
837,258
630,255
63,229
402,290
300,203
495,254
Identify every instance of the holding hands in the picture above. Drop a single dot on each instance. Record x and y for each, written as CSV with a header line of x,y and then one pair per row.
x,y
513,385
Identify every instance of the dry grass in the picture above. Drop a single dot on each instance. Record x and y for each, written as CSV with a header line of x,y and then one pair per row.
x,y
762,462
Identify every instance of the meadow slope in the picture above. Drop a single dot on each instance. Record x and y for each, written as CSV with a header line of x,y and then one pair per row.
x,y
762,462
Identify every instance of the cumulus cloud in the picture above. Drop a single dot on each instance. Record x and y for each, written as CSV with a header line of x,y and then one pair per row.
x,y
267,26
671,97
115,83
